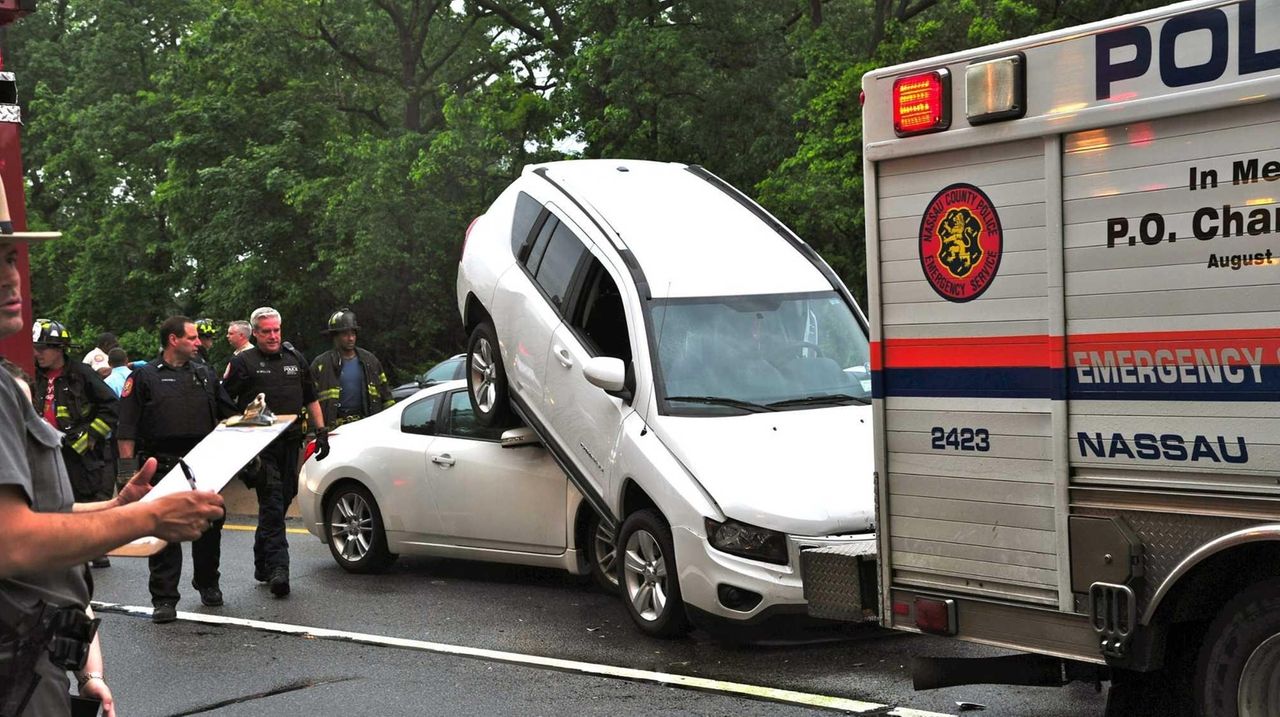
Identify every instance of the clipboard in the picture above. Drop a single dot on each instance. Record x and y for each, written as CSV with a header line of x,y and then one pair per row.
x,y
213,462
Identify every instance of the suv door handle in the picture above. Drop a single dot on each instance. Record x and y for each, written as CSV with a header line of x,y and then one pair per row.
x,y
444,459
563,356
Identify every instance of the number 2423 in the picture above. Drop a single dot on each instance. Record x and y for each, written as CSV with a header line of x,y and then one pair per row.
x,y
961,439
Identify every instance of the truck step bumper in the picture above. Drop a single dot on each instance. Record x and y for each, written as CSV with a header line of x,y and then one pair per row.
x,y
840,581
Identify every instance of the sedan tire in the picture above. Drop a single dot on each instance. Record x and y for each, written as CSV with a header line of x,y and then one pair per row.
x,y
486,377
602,554
354,532
650,581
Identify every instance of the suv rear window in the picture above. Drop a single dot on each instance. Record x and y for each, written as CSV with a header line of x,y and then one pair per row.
x,y
528,212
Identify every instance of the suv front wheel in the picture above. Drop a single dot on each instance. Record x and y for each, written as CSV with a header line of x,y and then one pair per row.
x,y
486,378
650,581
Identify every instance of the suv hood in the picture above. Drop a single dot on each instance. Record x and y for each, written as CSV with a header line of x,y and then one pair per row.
x,y
801,472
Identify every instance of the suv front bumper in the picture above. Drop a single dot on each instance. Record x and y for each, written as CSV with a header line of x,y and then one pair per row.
x,y
704,569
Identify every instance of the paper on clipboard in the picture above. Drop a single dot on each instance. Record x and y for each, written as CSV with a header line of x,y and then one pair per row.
x,y
213,463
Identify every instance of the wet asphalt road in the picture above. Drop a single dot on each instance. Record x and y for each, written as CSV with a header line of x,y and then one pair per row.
x,y
192,668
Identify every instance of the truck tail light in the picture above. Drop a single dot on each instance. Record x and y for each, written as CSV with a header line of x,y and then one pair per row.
x,y
936,616
922,103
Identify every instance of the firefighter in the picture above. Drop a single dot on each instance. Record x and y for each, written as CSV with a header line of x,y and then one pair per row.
x,y
166,408
74,399
208,331
274,368
351,382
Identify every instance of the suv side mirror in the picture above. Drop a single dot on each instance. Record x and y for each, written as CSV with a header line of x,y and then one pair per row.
x,y
609,374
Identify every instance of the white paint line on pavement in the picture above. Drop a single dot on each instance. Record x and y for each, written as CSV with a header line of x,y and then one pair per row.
x,y
759,692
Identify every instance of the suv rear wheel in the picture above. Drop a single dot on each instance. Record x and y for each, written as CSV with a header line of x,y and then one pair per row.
x,y
486,378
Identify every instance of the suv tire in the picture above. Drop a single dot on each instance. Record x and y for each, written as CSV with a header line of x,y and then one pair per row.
x,y
486,377
650,581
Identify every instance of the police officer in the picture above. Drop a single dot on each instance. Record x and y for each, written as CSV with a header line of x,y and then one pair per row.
x,y
276,369
166,408
43,584
351,381
74,399
208,331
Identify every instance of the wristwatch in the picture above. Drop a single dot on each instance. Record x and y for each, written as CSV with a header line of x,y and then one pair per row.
x,y
83,678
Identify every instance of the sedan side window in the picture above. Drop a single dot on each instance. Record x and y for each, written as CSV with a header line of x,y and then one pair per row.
x,y
461,421
420,416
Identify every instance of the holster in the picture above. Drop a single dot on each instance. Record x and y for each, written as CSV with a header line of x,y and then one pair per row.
x,y
64,634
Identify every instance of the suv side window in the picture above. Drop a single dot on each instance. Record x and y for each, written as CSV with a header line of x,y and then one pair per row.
x,y
420,416
528,212
564,251
538,246
461,421
599,317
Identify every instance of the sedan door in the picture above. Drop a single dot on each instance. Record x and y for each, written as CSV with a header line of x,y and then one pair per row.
x,y
493,497
399,467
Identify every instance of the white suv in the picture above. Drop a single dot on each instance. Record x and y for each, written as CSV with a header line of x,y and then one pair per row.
x,y
699,372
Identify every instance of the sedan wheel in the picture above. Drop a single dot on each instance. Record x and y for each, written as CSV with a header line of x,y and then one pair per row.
x,y
486,378
651,588
602,555
354,529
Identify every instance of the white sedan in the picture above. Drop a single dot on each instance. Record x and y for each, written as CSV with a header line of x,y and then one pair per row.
x,y
424,478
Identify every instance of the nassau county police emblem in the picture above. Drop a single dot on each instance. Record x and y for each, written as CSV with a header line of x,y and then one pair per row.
x,y
961,242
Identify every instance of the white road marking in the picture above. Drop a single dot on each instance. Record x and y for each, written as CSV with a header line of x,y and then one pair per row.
x,y
805,699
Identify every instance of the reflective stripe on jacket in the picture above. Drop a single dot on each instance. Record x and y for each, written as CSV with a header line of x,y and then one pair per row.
x,y
84,405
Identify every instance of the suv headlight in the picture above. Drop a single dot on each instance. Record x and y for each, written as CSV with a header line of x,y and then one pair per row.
x,y
748,541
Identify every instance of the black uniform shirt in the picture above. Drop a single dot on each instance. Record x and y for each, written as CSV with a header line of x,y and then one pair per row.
x,y
284,377
170,408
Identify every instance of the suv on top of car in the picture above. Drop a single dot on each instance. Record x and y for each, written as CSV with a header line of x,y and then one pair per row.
x,y
699,372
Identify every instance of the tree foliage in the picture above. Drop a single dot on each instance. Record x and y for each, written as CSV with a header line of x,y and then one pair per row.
x,y
208,157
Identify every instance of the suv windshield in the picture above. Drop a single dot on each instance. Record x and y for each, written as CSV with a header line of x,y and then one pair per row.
x,y
730,355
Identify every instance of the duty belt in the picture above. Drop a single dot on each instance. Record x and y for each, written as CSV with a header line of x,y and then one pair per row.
x,y
63,633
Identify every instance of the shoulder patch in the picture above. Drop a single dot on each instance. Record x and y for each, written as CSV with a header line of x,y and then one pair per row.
x,y
128,387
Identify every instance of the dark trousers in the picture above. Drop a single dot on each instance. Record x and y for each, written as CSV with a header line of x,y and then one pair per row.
x,y
166,565
277,484
88,476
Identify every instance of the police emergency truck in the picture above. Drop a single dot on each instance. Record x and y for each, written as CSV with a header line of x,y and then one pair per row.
x,y
1073,250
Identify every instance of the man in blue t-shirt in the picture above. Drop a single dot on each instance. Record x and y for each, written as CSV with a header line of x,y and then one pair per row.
x,y
349,379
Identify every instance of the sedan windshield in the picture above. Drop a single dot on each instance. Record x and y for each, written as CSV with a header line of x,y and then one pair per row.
x,y
733,355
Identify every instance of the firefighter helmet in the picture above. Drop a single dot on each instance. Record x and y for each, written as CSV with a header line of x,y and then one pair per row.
x,y
343,319
206,328
47,332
